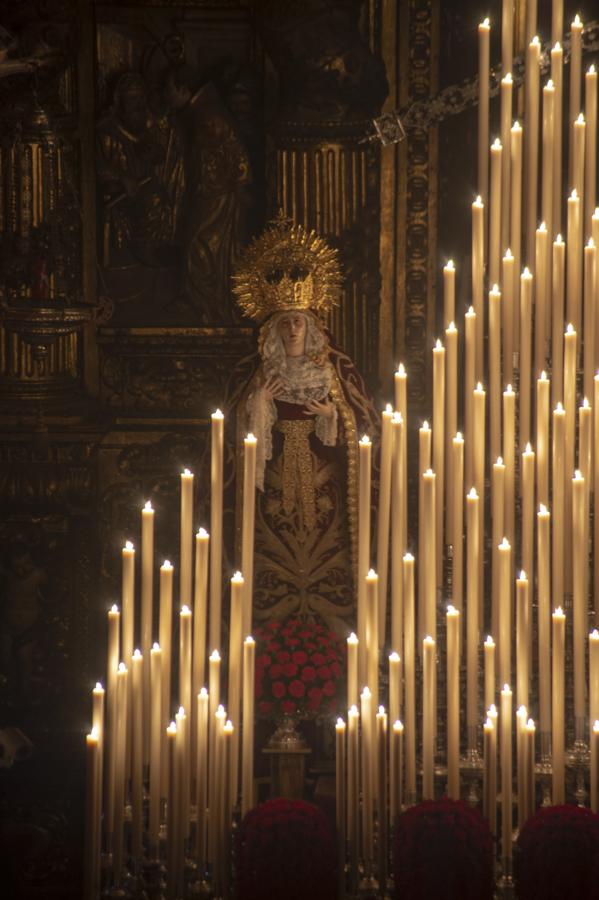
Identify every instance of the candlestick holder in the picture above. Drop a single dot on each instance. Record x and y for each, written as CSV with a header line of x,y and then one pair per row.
x,y
200,889
506,882
153,876
368,887
544,769
471,765
115,893
134,883
579,758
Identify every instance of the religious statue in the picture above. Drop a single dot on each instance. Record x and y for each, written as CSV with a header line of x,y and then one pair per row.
x,y
307,405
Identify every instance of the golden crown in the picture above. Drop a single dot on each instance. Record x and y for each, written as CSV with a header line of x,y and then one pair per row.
x,y
287,268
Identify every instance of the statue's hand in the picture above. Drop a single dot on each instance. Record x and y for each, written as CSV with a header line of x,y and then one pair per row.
x,y
321,408
272,386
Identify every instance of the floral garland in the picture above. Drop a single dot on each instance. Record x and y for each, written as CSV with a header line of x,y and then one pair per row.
x,y
299,669
443,850
285,849
556,856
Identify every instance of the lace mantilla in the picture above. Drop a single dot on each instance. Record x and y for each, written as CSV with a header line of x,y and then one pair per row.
x,y
302,380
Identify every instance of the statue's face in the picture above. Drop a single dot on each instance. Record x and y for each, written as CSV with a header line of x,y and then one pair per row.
x,y
134,111
292,331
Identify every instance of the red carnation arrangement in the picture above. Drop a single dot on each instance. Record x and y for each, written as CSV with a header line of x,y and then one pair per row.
x,y
299,669
556,856
443,850
285,849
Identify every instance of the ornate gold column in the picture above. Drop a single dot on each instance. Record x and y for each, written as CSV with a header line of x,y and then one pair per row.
x,y
409,196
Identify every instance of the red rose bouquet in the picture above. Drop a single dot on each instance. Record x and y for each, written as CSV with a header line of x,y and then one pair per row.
x,y
300,669
443,850
285,849
556,856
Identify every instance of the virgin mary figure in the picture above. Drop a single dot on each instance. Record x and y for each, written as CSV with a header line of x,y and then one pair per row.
x,y
307,405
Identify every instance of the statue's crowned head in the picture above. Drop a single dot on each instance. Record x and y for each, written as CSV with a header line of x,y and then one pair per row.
x,y
287,268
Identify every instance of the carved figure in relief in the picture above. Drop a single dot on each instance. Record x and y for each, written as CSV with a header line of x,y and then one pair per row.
x,y
218,197
141,178
306,403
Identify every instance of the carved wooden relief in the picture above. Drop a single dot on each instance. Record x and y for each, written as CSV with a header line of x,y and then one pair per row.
x,y
169,372
179,159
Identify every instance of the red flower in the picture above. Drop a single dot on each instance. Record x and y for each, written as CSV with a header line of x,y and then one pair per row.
x,y
315,695
297,688
329,689
556,854
443,848
265,707
308,673
300,654
302,867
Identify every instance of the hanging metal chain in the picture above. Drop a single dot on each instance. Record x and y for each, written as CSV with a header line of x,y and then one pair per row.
x,y
393,127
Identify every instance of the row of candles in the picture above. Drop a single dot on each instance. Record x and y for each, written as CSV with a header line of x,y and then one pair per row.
x,y
194,765
533,340
376,753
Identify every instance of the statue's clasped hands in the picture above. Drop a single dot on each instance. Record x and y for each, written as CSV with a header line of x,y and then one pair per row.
x,y
320,408
274,385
